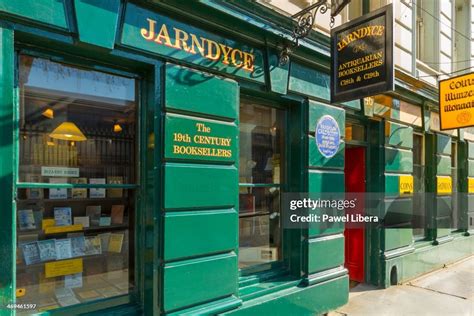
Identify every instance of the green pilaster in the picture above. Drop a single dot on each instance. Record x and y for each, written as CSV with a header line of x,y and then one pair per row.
x,y
324,244
8,218
200,218
50,12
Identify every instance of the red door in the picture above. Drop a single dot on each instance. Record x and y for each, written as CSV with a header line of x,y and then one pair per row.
x,y
354,237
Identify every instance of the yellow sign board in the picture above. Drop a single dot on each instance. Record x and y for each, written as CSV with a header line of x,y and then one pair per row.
x,y
444,185
64,267
405,185
470,185
62,229
456,102
47,222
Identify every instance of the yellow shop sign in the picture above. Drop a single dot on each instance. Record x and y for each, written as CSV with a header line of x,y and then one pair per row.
x,y
456,102
406,185
444,185
470,185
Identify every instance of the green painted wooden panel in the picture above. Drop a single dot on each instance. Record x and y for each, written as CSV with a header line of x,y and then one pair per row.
x,y
325,253
199,280
8,219
470,167
443,232
200,139
398,211
316,159
470,203
398,135
443,144
397,238
158,34
392,184
189,234
278,74
97,21
51,12
443,165
325,228
317,110
470,149
194,91
309,81
326,181
398,160
188,185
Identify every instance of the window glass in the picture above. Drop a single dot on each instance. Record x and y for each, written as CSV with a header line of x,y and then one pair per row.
x,y
419,215
77,133
261,174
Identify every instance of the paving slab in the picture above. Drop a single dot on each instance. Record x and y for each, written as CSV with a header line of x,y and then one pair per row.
x,y
449,291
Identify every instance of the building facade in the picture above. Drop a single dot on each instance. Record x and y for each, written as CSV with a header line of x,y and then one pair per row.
x,y
146,147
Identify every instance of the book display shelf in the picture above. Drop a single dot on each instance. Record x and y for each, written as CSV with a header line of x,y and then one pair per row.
x,y
76,185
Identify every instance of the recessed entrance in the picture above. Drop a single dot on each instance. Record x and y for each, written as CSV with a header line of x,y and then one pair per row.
x,y
355,237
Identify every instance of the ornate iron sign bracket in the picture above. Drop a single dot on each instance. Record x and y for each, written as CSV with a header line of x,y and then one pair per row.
x,y
305,23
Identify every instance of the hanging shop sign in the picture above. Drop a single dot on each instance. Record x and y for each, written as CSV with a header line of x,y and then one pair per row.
x,y
337,6
158,34
362,56
328,136
456,102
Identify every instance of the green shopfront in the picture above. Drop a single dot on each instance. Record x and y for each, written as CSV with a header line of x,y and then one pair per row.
x,y
145,147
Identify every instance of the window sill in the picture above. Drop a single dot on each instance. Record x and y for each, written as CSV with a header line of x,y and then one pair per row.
x,y
267,286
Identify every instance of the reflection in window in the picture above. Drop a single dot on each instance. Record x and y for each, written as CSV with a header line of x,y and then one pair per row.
x,y
76,127
260,176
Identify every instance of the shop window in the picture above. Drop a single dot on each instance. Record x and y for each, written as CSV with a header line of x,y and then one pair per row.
x,y
77,174
261,173
355,132
419,212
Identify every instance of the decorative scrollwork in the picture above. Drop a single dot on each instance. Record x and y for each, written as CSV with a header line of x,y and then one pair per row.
x,y
304,24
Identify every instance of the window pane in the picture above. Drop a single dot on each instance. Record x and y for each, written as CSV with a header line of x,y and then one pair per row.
x,y
77,127
261,170
74,118
261,141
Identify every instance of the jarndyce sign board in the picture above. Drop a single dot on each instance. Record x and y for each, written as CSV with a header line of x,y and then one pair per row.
x,y
362,56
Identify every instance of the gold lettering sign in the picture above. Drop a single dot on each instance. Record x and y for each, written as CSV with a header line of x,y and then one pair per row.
x,y
181,40
444,185
370,30
184,144
406,185
456,102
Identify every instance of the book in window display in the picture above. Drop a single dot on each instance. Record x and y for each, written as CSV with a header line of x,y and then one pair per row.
x,y
92,246
79,193
78,246
63,249
116,214
47,249
26,220
31,253
94,212
62,216
97,193
115,243
38,215
115,192
57,194
82,220
105,221
66,297
104,241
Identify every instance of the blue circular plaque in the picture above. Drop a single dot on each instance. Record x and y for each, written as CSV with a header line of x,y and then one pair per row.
x,y
328,136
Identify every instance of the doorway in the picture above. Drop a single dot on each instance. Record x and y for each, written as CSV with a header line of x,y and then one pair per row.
x,y
354,250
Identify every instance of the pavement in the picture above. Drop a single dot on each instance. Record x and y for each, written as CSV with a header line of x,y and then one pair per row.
x,y
448,291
